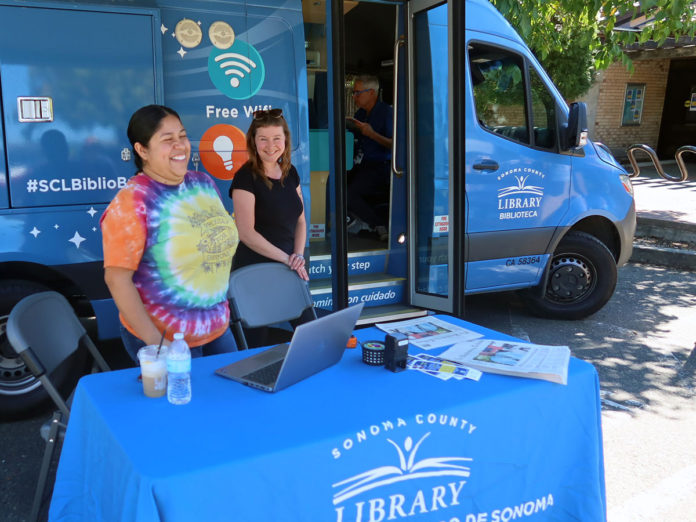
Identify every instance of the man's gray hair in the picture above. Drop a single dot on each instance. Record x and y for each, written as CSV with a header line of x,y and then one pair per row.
x,y
369,82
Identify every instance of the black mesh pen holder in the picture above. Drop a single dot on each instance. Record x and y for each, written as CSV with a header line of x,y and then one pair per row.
x,y
373,353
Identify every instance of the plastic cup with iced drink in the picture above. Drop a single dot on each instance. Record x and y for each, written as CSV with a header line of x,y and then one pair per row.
x,y
153,369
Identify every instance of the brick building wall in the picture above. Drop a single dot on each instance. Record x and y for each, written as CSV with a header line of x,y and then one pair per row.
x,y
608,93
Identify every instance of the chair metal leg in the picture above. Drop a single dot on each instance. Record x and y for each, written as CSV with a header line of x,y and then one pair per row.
x,y
239,334
46,465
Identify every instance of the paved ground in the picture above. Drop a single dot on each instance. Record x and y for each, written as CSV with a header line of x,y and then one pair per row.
x,y
658,198
638,343
662,485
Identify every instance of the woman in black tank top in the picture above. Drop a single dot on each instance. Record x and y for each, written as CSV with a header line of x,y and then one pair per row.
x,y
267,198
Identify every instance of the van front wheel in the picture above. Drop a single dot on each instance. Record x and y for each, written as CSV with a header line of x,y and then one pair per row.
x,y
581,279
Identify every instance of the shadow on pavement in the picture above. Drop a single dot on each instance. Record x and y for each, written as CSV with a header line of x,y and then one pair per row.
x,y
638,342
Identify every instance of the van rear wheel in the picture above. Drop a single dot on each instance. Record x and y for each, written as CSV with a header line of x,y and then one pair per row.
x,y
581,279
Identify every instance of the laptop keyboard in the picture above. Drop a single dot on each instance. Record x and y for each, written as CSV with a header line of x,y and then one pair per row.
x,y
266,375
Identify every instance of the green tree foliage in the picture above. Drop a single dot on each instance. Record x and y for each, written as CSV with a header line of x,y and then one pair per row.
x,y
574,38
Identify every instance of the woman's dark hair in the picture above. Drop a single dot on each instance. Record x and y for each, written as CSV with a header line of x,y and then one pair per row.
x,y
254,160
143,124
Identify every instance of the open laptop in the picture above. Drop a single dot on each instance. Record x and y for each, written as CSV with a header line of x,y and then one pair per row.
x,y
314,346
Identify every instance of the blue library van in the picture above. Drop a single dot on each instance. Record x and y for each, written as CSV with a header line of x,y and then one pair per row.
x,y
547,208
494,185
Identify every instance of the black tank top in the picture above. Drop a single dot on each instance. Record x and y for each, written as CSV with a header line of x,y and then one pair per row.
x,y
276,212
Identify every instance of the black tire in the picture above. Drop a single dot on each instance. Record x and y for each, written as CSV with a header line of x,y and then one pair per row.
x,y
21,394
581,279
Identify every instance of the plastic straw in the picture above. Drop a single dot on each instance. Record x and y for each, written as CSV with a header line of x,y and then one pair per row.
x,y
160,344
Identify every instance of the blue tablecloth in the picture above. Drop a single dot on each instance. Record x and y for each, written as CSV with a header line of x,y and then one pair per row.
x,y
353,443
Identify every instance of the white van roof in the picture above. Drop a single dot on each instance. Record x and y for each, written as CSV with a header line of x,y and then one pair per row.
x,y
482,17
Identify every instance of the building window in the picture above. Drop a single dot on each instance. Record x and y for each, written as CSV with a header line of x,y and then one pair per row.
x,y
633,104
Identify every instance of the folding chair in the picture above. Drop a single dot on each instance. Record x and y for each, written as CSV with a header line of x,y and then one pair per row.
x,y
44,331
264,294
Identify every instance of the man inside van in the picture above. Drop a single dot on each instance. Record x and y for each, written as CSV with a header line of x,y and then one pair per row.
x,y
368,180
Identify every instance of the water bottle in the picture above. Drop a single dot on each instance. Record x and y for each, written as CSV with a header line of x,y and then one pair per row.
x,y
178,371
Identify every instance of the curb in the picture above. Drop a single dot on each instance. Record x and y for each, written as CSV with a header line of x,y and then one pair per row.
x,y
669,230
644,251
663,256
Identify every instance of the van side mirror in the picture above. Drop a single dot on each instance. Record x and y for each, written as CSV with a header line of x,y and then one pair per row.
x,y
575,131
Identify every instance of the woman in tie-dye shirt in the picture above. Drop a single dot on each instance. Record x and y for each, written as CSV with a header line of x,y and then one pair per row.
x,y
168,243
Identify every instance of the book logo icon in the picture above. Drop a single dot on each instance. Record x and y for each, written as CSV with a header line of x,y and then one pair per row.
x,y
521,187
408,469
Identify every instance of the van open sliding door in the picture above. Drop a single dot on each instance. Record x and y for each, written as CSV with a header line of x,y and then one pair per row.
x,y
430,156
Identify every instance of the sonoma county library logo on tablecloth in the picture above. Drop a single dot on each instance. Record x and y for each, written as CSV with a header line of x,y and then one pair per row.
x,y
414,467
408,469
395,487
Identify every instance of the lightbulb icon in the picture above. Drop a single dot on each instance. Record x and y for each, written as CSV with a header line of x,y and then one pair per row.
x,y
219,146
223,147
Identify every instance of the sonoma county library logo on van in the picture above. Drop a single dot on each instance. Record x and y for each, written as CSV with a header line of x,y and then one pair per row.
x,y
523,194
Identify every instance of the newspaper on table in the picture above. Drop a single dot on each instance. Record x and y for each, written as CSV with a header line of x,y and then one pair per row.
x,y
429,332
441,369
535,361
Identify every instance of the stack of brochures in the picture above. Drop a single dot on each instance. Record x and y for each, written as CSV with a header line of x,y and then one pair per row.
x,y
469,351
429,332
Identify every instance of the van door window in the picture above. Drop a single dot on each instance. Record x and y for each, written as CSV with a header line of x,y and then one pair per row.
x,y
543,112
499,91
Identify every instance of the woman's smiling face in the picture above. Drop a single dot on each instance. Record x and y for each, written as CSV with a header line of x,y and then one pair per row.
x,y
166,155
270,143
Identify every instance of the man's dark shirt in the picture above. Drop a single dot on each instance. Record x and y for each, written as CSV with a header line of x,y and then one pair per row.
x,y
381,119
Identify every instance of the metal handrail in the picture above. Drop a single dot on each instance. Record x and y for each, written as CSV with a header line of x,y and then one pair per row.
x,y
401,41
683,173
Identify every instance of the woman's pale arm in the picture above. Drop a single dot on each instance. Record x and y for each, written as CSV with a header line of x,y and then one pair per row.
x,y
127,299
244,202
301,229
297,261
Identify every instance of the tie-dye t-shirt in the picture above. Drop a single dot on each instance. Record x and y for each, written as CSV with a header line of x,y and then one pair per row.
x,y
179,240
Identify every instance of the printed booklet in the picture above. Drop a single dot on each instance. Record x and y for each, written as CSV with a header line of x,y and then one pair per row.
x,y
535,361
427,333
441,369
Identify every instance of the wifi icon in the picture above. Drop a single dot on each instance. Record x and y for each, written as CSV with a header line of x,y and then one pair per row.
x,y
240,65
238,72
